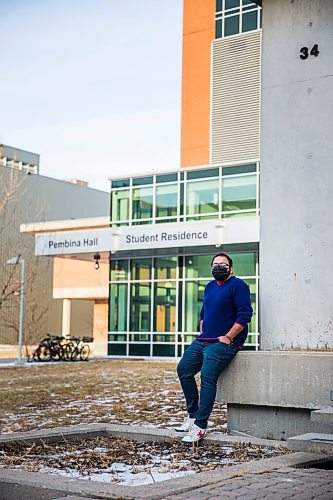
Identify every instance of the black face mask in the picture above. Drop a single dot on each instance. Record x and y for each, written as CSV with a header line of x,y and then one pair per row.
x,y
220,272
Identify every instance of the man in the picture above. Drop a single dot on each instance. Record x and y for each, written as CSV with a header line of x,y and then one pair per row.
x,y
224,316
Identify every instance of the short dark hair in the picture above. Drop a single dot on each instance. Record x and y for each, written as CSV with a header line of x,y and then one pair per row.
x,y
221,254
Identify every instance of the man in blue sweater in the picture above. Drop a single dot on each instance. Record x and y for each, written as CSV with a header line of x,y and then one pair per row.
x,y
225,314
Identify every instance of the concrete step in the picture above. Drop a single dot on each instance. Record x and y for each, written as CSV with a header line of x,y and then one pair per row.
x,y
312,442
324,416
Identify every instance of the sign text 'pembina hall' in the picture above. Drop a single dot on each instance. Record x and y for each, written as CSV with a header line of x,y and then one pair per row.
x,y
85,242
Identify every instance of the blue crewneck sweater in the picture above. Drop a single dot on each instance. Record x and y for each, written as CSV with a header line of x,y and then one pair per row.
x,y
224,305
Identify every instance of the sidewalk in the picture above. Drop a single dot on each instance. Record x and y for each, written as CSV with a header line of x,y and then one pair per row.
x,y
301,484
4,362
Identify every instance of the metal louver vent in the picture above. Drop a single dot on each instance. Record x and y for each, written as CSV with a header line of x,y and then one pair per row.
x,y
235,99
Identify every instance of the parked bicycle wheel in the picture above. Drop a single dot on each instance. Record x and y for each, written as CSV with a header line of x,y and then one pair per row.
x,y
67,351
84,352
43,353
35,356
75,351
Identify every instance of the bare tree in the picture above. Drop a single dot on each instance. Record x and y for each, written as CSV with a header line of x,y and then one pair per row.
x,y
15,203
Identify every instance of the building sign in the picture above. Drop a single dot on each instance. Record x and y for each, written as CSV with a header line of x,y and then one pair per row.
x,y
168,235
73,242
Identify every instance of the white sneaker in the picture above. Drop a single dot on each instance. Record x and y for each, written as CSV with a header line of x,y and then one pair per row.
x,y
194,435
186,425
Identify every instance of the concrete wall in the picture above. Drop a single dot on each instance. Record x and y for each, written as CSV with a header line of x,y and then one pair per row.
x,y
271,394
296,241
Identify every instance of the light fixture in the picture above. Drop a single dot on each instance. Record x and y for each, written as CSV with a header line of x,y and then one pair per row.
x,y
97,258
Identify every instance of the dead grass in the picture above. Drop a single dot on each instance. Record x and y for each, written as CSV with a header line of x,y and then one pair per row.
x,y
125,392
102,454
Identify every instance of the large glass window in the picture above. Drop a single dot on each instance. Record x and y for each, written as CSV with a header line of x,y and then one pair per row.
x,y
165,307
166,268
202,197
119,270
166,200
250,20
118,307
140,310
194,292
142,203
236,16
162,316
163,202
120,205
253,293
239,193
198,266
141,269
244,263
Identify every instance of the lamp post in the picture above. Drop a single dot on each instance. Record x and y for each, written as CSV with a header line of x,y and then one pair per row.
x,y
20,261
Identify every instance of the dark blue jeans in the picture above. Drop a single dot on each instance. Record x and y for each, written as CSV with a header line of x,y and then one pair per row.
x,y
211,359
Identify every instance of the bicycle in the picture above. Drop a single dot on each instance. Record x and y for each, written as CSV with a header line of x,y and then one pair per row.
x,y
80,348
52,347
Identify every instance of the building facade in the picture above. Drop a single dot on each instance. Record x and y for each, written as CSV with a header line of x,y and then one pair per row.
x,y
159,258
156,297
155,301
36,198
163,231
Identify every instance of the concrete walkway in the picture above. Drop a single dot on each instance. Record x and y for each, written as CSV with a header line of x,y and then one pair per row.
x,y
281,484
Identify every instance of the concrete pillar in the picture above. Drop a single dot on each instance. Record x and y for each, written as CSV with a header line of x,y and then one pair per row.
x,y
295,373
66,317
296,240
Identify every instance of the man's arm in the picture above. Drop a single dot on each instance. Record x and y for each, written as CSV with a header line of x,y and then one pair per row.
x,y
231,334
242,301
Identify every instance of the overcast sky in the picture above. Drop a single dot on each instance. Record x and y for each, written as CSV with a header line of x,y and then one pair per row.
x,y
93,86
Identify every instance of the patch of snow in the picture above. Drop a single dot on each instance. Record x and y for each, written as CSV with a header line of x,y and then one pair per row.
x,y
121,474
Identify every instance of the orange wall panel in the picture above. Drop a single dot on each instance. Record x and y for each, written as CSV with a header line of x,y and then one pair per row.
x,y
71,273
100,328
198,34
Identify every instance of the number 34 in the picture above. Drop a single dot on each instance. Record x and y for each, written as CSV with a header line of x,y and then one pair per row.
x,y
304,52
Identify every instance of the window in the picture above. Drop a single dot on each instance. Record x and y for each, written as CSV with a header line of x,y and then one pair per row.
x,y
166,200
199,194
120,205
118,270
142,203
165,307
155,302
239,195
118,308
202,197
198,266
140,310
166,268
236,16
194,293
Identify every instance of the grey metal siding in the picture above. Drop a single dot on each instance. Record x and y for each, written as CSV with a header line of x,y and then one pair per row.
x,y
39,198
235,101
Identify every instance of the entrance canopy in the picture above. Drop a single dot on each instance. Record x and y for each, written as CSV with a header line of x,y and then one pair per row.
x,y
84,236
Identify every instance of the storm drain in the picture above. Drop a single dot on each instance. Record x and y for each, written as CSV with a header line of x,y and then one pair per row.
x,y
324,464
